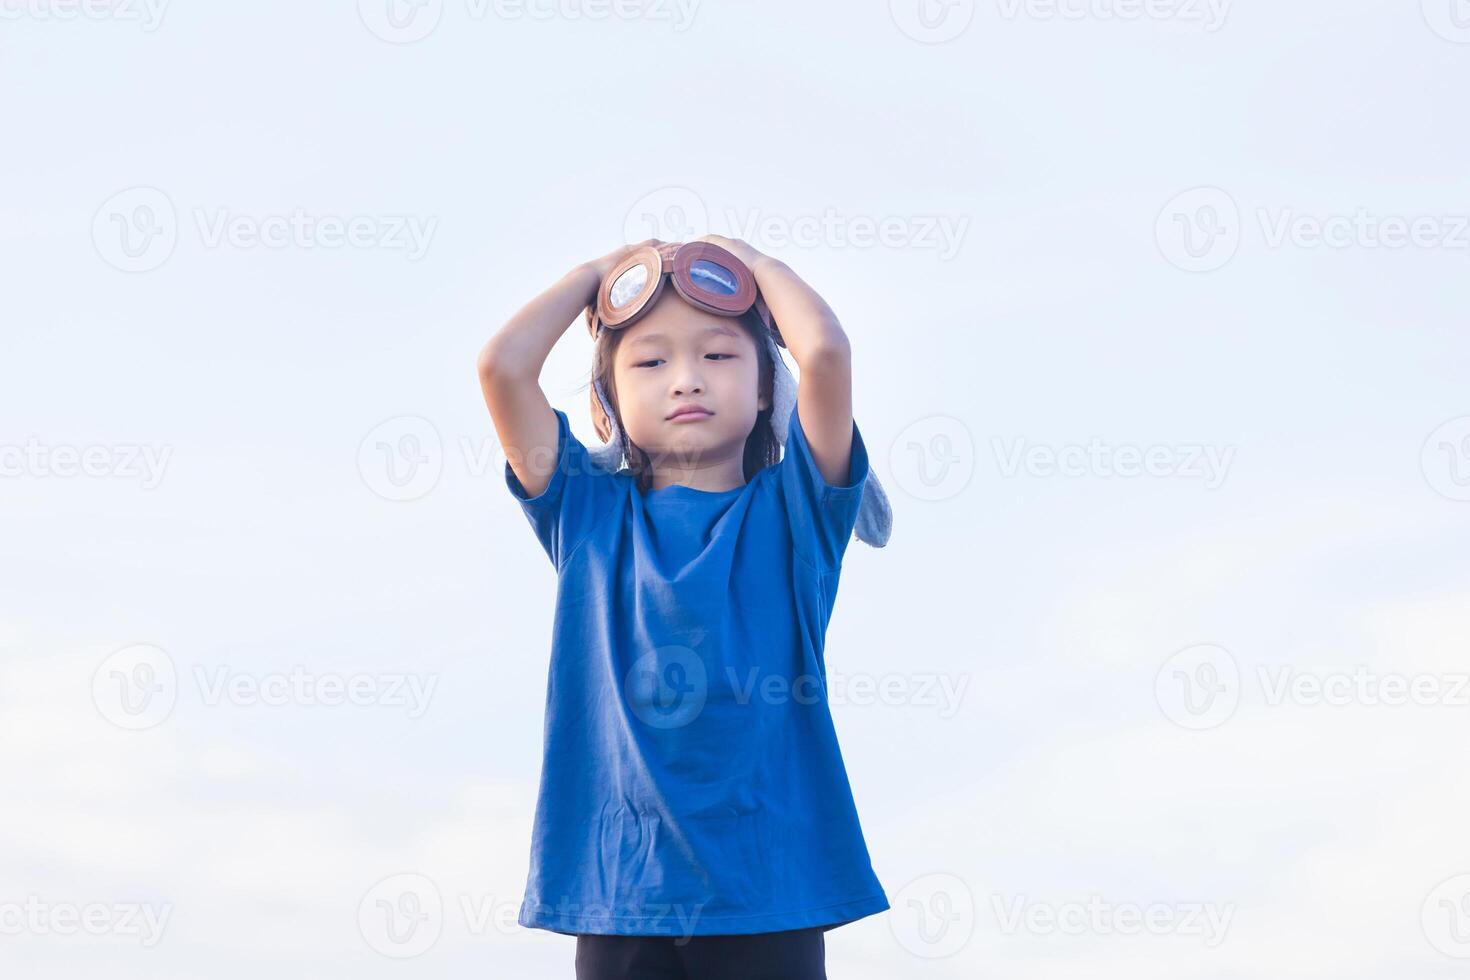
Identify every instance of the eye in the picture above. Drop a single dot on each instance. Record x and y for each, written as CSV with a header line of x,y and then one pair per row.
x,y
646,363
719,355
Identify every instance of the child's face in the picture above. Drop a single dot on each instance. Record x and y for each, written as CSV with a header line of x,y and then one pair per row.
x,y
677,355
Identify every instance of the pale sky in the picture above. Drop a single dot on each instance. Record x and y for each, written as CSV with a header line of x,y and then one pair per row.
x,y
1158,320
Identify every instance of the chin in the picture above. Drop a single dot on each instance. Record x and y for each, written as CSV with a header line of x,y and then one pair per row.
x,y
681,437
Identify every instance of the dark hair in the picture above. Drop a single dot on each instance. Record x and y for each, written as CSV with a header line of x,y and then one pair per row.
x,y
762,448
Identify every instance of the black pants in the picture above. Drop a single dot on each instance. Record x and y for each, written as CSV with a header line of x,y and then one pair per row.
x,y
796,954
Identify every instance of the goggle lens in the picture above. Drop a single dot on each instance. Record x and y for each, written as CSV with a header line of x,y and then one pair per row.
x,y
628,286
712,277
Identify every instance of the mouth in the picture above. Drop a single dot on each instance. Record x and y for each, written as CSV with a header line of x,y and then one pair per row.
x,y
689,413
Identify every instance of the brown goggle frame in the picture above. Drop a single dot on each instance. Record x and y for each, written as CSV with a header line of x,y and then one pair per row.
x,y
674,261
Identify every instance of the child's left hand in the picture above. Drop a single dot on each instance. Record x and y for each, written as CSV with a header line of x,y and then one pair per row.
x,y
735,247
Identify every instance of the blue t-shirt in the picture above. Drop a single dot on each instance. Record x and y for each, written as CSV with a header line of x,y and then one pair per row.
x,y
692,782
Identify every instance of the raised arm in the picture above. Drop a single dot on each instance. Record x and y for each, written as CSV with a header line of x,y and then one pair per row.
x,y
510,370
821,350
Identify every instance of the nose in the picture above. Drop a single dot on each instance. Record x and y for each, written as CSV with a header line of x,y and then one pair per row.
x,y
689,380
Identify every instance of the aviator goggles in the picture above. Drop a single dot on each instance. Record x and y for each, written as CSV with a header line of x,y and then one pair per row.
x,y
705,276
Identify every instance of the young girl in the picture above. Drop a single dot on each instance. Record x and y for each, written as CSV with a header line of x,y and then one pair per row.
x,y
694,816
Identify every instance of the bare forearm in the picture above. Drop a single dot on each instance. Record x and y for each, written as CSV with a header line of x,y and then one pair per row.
x,y
819,345
522,345
808,325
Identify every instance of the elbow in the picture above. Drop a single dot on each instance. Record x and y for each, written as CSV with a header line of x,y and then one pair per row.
x,y
832,352
828,339
838,345
494,361
486,363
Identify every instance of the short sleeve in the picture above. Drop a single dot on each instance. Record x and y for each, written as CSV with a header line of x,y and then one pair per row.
x,y
579,495
821,515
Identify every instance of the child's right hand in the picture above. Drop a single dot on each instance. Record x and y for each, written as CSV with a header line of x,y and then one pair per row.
x,y
609,261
